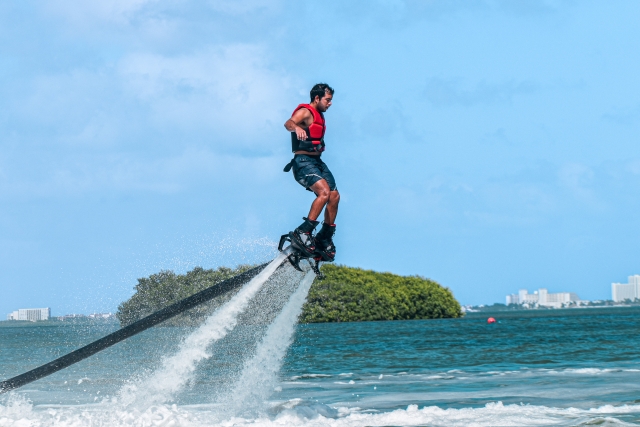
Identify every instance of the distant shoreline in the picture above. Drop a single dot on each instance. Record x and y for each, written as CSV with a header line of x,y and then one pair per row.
x,y
501,307
54,321
469,315
567,311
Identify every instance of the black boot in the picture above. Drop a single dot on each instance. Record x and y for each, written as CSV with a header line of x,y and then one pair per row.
x,y
302,238
324,243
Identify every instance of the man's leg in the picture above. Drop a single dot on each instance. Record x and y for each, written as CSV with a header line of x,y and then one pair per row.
x,y
324,239
326,199
301,237
323,196
331,211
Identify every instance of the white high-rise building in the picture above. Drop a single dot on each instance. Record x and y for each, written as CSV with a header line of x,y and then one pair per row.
x,y
623,291
542,297
513,299
30,314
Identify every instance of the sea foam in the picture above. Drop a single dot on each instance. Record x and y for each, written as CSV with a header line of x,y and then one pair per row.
x,y
17,411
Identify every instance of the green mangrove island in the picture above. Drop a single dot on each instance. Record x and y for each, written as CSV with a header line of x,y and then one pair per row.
x,y
346,294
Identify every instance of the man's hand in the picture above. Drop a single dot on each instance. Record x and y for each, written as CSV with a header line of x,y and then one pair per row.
x,y
292,126
302,117
301,133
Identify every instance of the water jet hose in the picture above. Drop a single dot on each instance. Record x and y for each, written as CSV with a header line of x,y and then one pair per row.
x,y
130,330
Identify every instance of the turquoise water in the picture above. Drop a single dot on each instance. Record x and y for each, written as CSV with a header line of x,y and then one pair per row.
x,y
581,358
555,367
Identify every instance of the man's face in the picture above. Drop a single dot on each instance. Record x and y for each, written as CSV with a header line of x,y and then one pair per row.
x,y
325,102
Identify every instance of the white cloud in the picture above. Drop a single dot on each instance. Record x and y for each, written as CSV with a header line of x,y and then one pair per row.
x,y
634,167
576,176
579,180
76,105
84,14
238,7
124,173
228,96
447,92
227,90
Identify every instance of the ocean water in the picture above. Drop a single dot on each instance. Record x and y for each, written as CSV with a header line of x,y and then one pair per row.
x,y
556,367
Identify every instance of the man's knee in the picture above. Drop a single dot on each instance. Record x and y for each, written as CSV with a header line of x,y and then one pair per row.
x,y
322,191
334,197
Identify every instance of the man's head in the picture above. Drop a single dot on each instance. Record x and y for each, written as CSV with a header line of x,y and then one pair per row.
x,y
322,95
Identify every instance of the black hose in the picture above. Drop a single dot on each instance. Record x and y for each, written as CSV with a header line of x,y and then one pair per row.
x,y
130,330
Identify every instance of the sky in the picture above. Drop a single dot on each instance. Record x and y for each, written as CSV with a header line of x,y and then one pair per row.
x,y
488,145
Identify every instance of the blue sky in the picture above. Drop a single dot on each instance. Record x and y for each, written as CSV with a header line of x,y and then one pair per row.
x,y
488,145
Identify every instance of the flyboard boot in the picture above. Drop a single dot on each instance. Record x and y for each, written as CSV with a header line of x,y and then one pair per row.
x,y
302,244
325,249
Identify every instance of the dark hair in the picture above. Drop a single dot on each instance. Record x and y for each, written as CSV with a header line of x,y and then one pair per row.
x,y
320,90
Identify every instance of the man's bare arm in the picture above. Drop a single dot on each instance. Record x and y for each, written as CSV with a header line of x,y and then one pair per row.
x,y
300,118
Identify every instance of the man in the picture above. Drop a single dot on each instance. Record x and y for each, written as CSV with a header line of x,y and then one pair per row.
x,y
307,127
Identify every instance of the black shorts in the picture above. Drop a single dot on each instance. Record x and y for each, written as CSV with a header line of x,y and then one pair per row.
x,y
308,170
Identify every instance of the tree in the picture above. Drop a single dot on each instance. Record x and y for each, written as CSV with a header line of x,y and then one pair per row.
x,y
352,294
164,288
346,295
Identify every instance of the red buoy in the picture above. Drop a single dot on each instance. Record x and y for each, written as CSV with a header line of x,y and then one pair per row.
x,y
491,320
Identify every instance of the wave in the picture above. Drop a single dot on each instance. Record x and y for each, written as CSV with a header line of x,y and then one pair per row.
x,y
307,376
16,410
461,374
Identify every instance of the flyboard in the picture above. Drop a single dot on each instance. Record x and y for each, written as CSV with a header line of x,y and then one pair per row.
x,y
296,253
147,322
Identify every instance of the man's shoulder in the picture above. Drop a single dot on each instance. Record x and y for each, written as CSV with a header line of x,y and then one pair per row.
x,y
305,107
303,110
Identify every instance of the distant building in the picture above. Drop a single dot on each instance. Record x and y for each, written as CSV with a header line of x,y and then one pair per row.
x,y
543,298
513,299
72,316
30,314
624,291
101,316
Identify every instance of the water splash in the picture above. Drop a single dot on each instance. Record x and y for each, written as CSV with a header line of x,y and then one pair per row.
x,y
17,411
177,370
260,374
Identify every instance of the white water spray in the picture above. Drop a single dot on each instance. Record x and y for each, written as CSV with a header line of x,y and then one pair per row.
x,y
177,370
260,374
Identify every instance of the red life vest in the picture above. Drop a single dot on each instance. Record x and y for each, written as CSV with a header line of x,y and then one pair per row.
x,y
315,133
